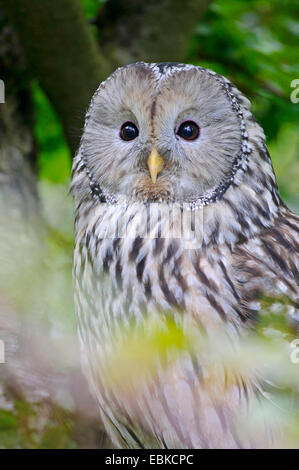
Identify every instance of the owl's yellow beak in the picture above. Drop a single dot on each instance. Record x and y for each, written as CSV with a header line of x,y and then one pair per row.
x,y
155,164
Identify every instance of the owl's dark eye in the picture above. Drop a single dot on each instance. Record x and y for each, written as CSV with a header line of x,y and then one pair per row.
x,y
188,130
128,131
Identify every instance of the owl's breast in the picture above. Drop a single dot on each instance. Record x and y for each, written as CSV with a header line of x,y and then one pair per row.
x,y
127,278
134,259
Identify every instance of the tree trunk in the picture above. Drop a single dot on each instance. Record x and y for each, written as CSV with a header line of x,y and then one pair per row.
x,y
17,144
62,53
150,31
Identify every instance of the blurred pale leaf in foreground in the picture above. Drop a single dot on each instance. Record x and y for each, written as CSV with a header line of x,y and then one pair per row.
x,y
137,354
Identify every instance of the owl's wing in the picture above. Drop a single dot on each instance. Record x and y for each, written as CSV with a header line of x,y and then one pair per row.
x,y
267,268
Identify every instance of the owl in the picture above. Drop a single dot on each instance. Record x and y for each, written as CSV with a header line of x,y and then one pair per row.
x,y
177,215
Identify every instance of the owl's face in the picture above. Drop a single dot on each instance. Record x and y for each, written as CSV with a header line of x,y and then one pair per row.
x,y
161,134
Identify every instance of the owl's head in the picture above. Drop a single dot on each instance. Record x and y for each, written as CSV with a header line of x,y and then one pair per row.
x,y
170,132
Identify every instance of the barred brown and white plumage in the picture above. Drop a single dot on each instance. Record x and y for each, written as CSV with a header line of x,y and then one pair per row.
x,y
162,141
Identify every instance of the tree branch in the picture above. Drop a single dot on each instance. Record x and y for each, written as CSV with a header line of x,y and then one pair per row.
x,y
151,31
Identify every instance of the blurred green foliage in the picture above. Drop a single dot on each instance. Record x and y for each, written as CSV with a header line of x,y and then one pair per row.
x,y
54,160
254,43
91,7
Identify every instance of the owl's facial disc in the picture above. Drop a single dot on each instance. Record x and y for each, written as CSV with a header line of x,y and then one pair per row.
x,y
175,136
